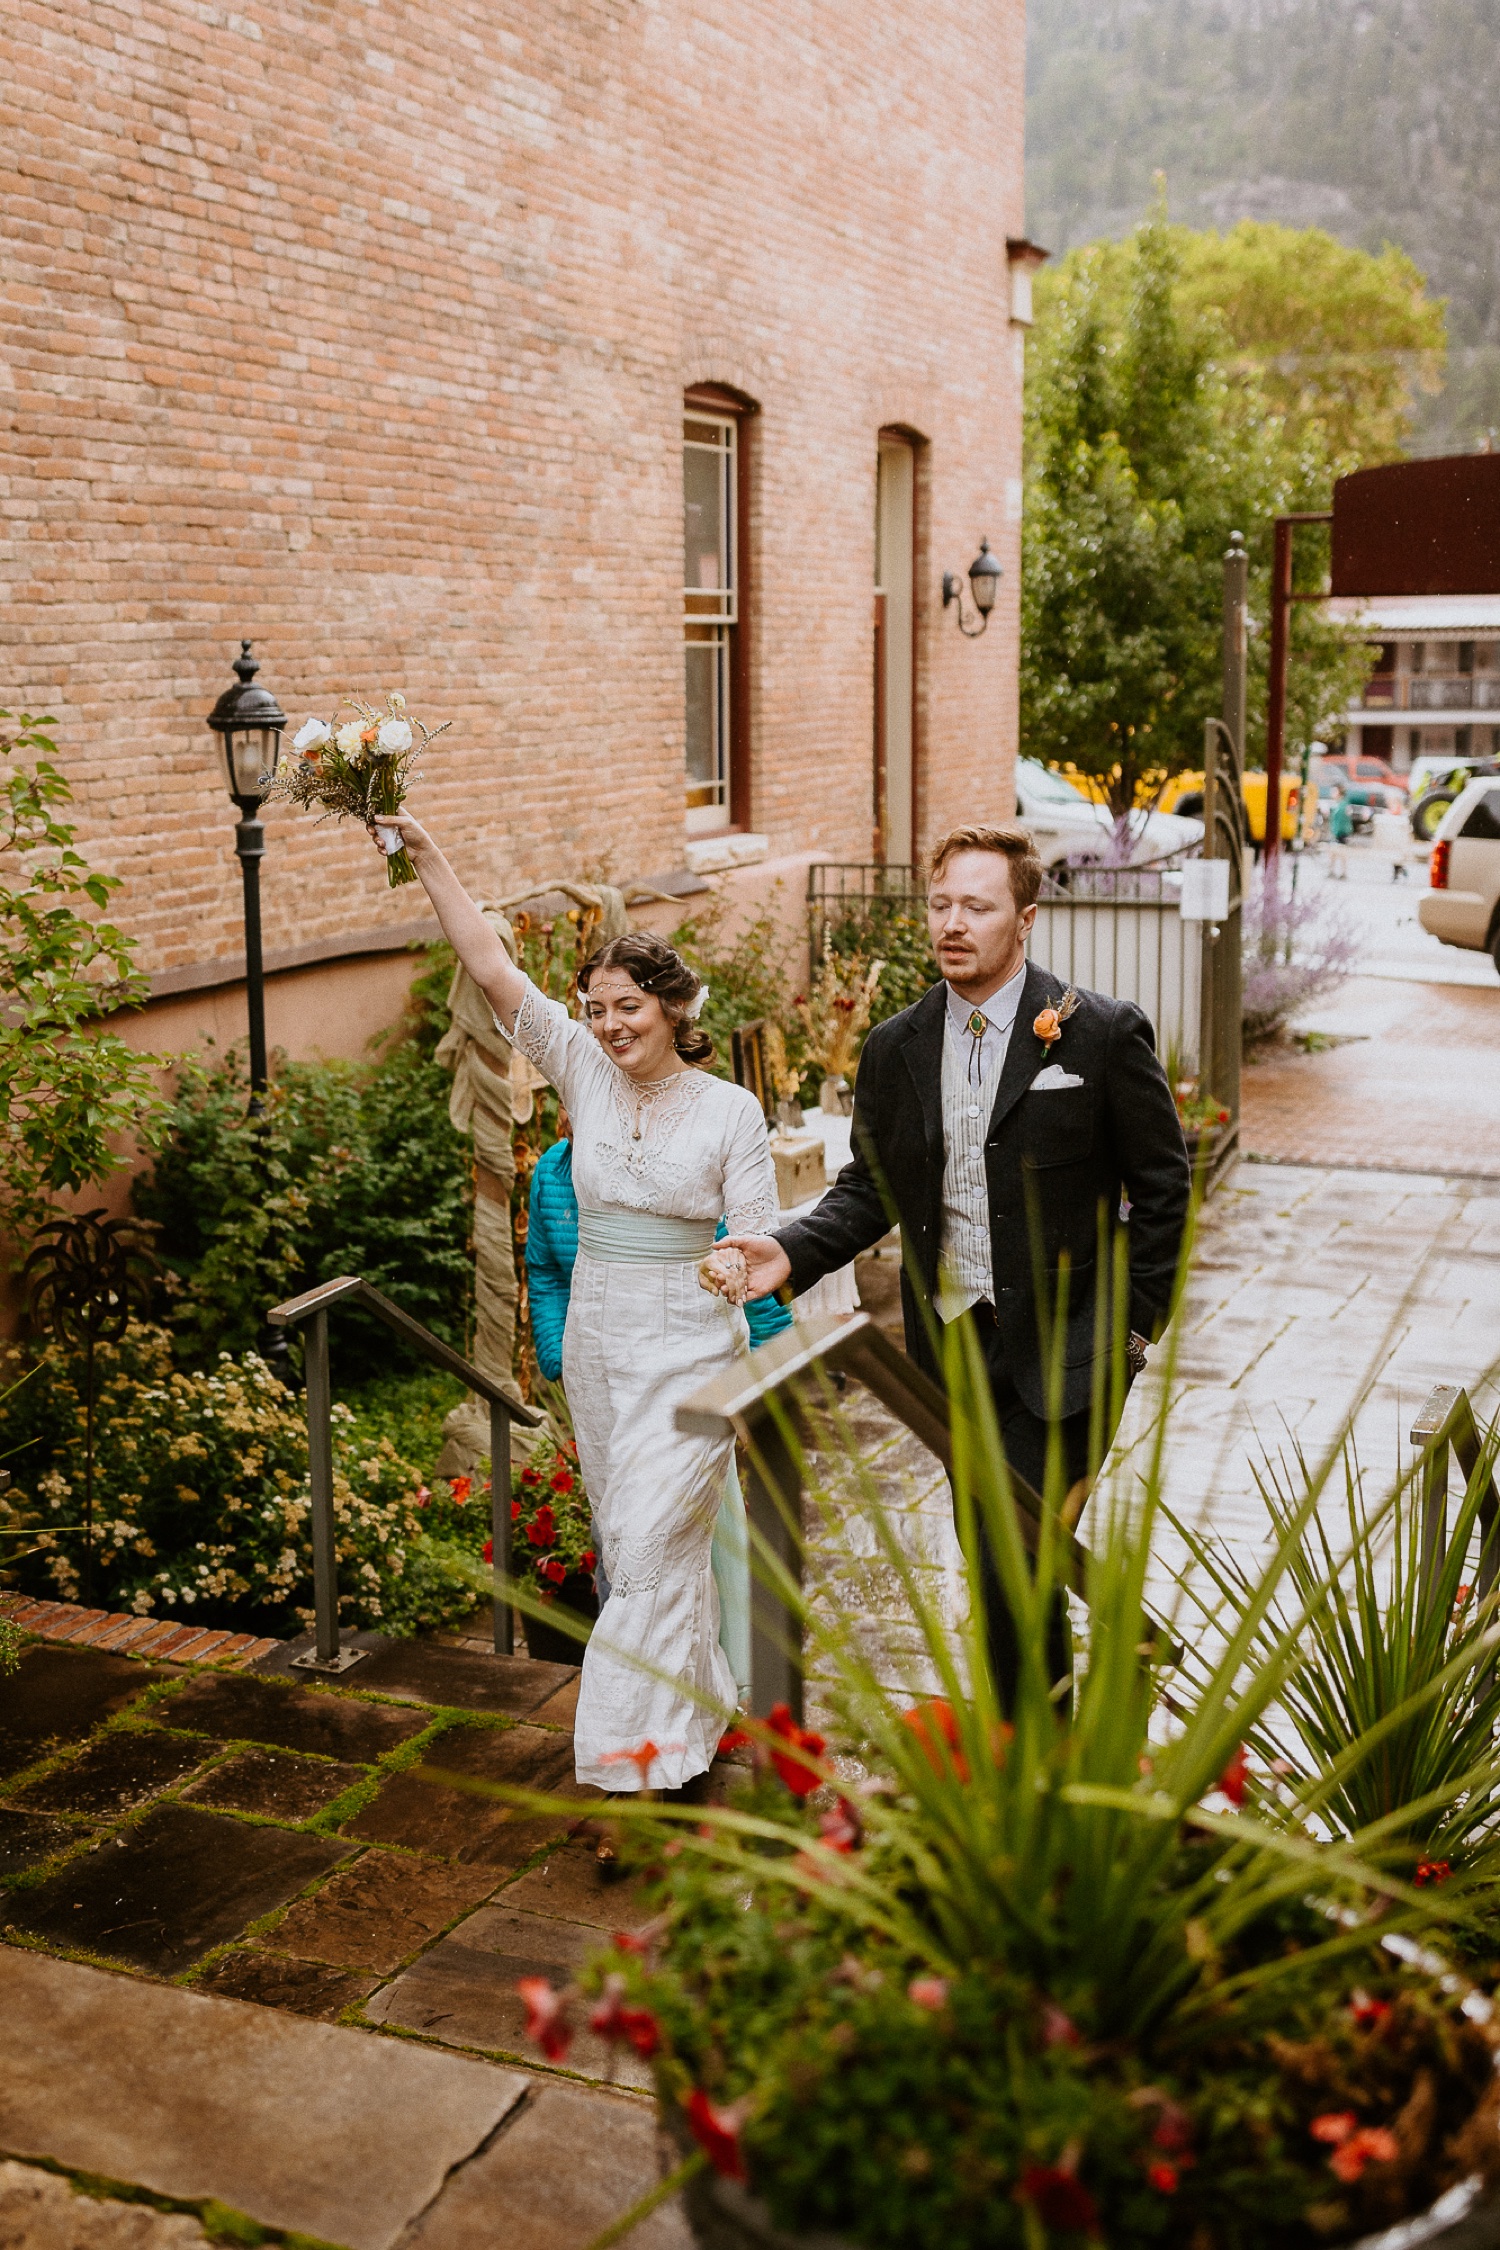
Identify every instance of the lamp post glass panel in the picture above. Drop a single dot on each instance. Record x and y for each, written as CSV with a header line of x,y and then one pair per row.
x,y
248,721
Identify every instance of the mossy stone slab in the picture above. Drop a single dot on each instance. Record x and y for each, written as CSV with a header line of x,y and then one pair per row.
x,y
275,1785
119,1771
59,1695
319,1721
171,1888
425,1814
303,1988
462,1679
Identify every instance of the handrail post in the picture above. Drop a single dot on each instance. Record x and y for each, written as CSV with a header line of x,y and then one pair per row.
x,y
504,1619
773,1507
325,1655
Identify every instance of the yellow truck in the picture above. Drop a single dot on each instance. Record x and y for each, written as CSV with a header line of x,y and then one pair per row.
x,y
1183,794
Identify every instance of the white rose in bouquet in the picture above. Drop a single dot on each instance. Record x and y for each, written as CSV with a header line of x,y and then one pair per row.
x,y
394,737
347,740
358,768
311,736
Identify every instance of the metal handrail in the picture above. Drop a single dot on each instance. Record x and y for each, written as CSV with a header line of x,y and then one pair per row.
x,y
739,1401
312,1309
1446,1425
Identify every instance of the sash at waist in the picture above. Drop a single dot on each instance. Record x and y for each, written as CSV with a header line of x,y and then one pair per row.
x,y
643,1238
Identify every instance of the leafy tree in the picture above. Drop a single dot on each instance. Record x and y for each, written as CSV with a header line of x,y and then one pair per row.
x,y
1145,451
1338,342
68,1089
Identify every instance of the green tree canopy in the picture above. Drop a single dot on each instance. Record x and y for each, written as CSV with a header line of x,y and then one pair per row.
x,y
1155,429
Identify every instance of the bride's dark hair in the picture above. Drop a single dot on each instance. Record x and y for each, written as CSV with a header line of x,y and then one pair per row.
x,y
654,965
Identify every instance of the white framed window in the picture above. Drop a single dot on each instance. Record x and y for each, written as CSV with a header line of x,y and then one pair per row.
x,y
710,611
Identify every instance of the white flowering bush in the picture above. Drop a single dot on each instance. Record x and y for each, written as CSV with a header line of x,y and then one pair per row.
x,y
201,1501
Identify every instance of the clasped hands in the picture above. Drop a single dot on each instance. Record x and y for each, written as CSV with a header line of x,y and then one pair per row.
x,y
744,1266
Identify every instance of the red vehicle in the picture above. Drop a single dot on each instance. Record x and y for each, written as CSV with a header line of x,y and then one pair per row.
x,y
1361,772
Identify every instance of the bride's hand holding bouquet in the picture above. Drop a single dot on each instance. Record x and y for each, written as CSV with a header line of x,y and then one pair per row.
x,y
358,767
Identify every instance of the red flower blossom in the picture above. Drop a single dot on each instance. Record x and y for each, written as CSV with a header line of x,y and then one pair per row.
x,y
930,1993
1335,2125
1234,1778
515,1511
489,1550
734,1739
626,1941
560,1481
1059,2198
936,1728
841,1828
555,1570
799,1777
621,2025
588,1559
542,1529
531,1476
1431,1871
460,1487
1367,2012
1372,2144
547,2023
717,2132
1058,2030
642,1758
424,1496
1163,2178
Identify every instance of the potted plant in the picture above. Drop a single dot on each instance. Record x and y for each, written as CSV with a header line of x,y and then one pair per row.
x,y
1092,1968
552,1554
1202,1119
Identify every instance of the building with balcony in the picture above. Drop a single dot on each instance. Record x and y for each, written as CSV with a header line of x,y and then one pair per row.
x,y
1416,561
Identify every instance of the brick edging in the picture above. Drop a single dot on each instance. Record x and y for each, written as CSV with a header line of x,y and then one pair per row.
x,y
129,1635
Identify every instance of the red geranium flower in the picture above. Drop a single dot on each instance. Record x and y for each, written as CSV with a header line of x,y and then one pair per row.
x,y
555,1570
588,1560
547,2023
542,1529
734,1739
515,1511
841,1828
1431,1871
489,1550
1234,1778
1334,2125
461,1487
936,1728
1060,2199
634,2027
531,1476
560,1481
717,2132
799,1777
1163,2178
1372,2144
1368,2012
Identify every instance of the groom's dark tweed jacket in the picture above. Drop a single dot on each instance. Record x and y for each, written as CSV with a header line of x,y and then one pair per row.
x,y
1053,1161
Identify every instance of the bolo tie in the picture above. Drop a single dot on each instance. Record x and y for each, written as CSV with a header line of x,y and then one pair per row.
x,y
976,1027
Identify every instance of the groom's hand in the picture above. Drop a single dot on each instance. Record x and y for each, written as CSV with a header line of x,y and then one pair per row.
x,y
767,1263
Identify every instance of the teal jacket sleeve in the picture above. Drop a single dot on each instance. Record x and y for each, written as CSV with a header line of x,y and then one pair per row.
x,y
551,1248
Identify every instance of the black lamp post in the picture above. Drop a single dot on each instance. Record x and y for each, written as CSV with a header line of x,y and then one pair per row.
x,y
984,583
248,721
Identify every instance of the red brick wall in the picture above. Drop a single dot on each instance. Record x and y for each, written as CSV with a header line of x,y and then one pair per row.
x,y
363,329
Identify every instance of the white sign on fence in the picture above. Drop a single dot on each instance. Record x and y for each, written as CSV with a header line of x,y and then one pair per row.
x,y
1205,890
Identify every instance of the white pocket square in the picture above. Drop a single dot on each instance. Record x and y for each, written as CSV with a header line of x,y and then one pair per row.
x,y
1053,1079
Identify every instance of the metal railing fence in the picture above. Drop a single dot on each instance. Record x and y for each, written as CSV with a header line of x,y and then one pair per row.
x,y
310,1312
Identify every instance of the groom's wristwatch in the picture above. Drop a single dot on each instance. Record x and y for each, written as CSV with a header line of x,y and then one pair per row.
x,y
1135,1352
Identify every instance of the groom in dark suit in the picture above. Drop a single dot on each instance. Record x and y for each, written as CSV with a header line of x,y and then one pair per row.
x,y
996,1119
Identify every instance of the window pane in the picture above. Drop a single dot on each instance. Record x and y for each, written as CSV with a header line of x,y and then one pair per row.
x,y
706,714
703,514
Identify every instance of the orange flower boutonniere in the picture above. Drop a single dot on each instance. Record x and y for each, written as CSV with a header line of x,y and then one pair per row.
x,y
1048,1025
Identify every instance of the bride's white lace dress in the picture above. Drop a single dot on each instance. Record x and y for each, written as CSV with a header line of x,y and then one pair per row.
x,y
640,1339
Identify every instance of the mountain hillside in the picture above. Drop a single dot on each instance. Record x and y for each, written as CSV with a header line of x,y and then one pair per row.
x,y
1377,119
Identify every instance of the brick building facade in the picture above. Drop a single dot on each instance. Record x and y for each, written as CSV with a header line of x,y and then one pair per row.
x,y
370,330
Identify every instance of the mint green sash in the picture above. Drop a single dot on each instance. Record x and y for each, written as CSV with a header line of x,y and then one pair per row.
x,y
641,1238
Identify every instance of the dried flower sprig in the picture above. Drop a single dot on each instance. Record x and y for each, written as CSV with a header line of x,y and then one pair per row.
x,y
836,1012
357,768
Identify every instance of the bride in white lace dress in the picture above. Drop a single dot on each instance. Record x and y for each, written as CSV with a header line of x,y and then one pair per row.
x,y
660,1152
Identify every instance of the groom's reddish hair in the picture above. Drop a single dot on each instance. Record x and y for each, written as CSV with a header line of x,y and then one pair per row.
x,y
1010,841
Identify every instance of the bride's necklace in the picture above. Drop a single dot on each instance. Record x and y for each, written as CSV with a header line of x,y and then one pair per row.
x,y
648,1093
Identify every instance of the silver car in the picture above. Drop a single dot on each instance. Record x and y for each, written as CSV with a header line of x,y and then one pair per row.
x,y
1463,905
1072,830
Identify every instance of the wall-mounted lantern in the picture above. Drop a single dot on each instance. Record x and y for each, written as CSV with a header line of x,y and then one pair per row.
x,y
984,583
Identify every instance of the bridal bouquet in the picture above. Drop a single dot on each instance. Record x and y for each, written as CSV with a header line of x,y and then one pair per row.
x,y
359,768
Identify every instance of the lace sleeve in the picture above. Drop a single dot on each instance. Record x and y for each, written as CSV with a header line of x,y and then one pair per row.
x,y
547,1036
750,1200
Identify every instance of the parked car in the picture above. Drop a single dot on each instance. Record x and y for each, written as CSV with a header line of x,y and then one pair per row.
x,y
1344,766
1072,828
1184,794
1463,905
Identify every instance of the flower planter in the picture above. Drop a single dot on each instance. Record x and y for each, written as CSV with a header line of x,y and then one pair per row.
x,y
547,1643
723,2215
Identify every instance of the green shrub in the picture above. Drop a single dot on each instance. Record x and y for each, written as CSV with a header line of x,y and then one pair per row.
x,y
201,1497
892,930
749,975
350,1170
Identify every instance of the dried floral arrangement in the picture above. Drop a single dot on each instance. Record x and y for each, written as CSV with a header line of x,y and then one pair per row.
x,y
836,1011
358,768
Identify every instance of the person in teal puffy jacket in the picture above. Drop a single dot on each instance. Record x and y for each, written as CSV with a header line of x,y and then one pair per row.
x,y
551,1249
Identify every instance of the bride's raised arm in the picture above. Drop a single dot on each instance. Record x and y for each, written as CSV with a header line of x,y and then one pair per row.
x,y
465,928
